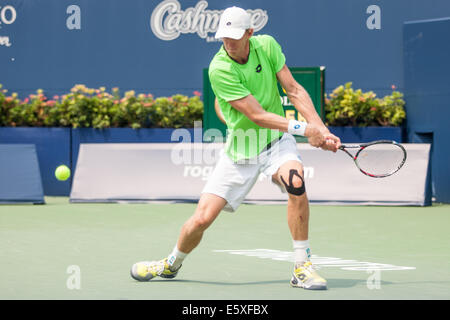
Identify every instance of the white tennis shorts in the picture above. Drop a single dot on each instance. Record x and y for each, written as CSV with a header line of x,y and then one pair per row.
x,y
234,180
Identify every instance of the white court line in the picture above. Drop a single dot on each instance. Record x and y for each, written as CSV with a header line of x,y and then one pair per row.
x,y
319,262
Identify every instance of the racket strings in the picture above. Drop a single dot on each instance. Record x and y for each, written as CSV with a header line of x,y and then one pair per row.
x,y
380,159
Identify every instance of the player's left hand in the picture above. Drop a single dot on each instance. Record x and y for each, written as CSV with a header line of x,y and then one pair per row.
x,y
331,143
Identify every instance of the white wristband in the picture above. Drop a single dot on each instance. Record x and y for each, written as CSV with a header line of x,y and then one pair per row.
x,y
297,127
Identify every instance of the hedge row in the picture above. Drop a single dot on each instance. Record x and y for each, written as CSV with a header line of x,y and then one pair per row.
x,y
97,108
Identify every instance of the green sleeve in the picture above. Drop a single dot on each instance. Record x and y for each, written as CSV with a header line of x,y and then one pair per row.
x,y
276,55
227,85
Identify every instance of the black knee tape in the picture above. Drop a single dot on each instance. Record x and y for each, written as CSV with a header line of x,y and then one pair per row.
x,y
290,187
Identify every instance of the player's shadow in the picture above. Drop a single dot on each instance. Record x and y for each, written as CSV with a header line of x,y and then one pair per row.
x,y
223,283
332,283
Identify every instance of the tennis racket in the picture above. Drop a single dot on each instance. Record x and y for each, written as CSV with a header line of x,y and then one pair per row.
x,y
377,159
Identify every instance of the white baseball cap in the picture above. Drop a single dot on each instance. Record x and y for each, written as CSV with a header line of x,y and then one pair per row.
x,y
233,23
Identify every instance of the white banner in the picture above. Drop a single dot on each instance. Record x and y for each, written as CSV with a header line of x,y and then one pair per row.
x,y
178,171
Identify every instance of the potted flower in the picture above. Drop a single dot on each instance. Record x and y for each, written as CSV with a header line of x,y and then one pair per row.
x,y
357,116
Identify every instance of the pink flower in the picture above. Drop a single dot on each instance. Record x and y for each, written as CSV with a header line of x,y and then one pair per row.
x,y
197,93
26,100
116,101
393,87
55,97
50,103
373,109
8,99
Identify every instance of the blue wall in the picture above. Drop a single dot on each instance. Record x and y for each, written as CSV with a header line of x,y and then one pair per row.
x,y
20,176
56,146
53,148
427,95
116,46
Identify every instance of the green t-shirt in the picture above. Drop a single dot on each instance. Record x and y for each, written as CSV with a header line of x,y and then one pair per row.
x,y
232,81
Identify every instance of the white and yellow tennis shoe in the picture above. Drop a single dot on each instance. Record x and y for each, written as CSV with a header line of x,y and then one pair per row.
x,y
306,277
147,270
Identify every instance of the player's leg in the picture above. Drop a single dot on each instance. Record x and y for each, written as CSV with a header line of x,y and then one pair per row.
x,y
285,166
226,189
290,177
208,208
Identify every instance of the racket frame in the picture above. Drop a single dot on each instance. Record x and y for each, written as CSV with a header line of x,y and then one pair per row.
x,y
362,146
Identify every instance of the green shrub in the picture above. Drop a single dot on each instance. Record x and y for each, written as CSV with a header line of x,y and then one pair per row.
x,y
177,112
95,108
348,107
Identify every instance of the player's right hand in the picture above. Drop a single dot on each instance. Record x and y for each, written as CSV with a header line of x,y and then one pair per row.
x,y
315,137
331,143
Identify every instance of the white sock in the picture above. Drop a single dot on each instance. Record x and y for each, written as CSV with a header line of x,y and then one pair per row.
x,y
176,258
302,253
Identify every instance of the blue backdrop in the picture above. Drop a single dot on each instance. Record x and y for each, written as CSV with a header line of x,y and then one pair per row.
x,y
161,47
427,95
20,176
54,45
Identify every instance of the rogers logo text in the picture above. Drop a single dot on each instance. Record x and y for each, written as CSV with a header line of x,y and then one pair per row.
x,y
168,21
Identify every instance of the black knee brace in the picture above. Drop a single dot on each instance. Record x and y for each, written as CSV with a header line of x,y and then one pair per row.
x,y
290,187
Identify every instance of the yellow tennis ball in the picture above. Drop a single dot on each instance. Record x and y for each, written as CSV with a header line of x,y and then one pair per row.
x,y
62,173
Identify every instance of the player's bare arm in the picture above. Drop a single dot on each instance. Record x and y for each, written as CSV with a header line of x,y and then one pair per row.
x,y
251,108
219,112
303,103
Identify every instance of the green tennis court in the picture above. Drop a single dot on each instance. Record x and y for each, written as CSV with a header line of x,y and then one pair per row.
x,y
244,255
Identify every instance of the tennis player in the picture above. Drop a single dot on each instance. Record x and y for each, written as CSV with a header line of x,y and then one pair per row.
x,y
243,76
